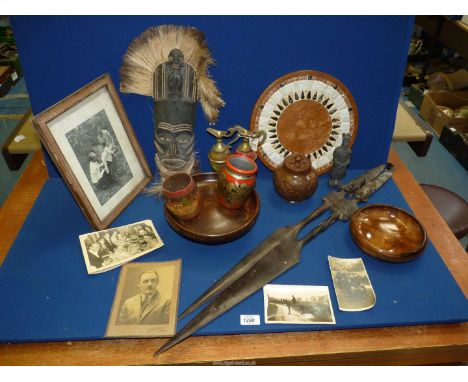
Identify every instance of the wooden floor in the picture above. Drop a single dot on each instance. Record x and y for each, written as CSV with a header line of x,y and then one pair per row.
x,y
428,344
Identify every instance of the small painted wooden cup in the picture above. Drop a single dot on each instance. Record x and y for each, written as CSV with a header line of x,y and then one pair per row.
x,y
236,181
181,196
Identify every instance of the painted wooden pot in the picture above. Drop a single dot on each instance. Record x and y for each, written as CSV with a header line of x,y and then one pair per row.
x,y
181,196
236,181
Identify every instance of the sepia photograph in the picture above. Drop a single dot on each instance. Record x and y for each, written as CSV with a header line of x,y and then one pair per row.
x,y
108,249
92,143
146,300
353,288
297,304
100,155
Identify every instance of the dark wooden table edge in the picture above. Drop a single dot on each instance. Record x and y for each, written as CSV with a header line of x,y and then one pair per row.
x,y
407,345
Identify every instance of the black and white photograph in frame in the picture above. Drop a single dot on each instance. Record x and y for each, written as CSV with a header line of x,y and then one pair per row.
x,y
297,304
92,143
146,300
108,249
98,150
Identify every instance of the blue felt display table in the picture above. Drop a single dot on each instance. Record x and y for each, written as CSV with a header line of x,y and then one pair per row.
x,y
47,295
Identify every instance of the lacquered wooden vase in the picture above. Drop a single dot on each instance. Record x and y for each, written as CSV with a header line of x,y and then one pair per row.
x,y
236,181
181,196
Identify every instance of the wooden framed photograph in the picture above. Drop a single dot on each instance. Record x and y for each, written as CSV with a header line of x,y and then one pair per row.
x,y
92,143
146,300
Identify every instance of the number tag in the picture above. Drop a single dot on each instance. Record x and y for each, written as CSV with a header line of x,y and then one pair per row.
x,y
250,319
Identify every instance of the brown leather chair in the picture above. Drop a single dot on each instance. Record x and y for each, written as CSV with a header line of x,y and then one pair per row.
x,y
452,207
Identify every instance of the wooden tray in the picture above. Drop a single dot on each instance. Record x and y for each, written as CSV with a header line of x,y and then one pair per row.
x,y
215,224
305,112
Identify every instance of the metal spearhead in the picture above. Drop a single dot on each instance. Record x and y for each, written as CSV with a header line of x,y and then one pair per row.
x,y
280,258
251,259
276,254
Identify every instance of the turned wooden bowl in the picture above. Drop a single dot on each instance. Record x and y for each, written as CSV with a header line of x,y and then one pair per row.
x,y
215,224
388,233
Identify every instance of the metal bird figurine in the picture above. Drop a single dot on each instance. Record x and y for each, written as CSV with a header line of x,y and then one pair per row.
x,y
277,253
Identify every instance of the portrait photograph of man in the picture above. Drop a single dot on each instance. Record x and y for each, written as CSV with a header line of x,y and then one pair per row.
x,y
147,307
146,300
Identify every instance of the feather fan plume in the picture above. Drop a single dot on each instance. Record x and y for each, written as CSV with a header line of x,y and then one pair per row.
x,y
152,48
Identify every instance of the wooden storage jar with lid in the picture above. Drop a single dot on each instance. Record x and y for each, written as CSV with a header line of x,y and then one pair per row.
x,y
295,180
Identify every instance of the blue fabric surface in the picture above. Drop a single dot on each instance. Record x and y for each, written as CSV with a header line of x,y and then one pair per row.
x,y
60,54
46,294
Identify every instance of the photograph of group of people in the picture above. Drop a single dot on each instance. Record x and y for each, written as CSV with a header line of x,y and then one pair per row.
x,y
98,150
105,250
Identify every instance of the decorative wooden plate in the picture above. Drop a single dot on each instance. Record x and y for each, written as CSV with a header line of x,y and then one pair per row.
x,y
388,233
305,112
215,224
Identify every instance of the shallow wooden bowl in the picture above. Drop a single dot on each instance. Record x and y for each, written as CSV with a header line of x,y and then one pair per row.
x,y
215,224
388,233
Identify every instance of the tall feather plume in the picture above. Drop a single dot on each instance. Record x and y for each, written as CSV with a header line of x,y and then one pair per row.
x,y
152,48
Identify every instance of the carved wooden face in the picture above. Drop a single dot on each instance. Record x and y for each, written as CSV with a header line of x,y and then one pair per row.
x,y
174,145
174,114
176,58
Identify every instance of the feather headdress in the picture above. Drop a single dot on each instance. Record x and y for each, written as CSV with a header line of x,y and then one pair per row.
x,y
152,48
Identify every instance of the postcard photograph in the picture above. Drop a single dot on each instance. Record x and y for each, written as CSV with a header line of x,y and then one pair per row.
x,y
297,304
110,248
353,288
146,300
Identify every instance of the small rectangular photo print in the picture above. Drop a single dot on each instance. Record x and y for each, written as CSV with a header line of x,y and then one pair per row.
x,y
353,288
297,304
110,248
146,300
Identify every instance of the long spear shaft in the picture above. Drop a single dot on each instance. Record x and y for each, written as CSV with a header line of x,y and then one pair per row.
x,y
281,258
273,240
249,260
276,254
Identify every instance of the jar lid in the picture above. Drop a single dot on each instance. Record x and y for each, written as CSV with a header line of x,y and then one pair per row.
x,y
297,163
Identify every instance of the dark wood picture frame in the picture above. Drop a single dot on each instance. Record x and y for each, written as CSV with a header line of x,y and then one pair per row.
x,y
41,122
